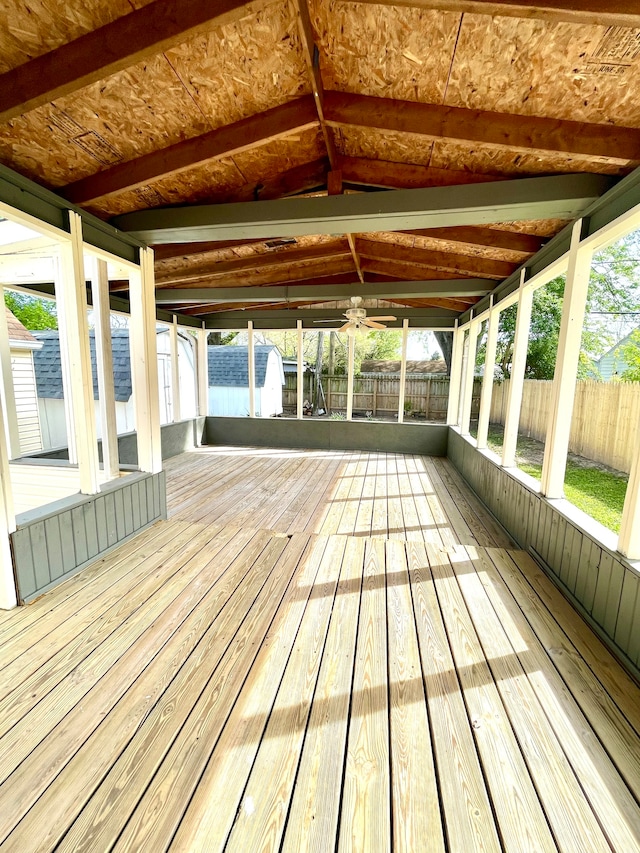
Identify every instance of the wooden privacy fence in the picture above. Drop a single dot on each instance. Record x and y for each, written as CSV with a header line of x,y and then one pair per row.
x,y
425,398
606,417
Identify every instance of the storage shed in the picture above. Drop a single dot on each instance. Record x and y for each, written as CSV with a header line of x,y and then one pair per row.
x,y
229,381
22,346
48,374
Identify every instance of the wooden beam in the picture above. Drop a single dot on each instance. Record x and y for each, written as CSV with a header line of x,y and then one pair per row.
x,y
184,250
603,144
251,355
475,235
202,362
467,390
455,378
518,365
279,258
559,196
403,271
487,379
383,290
118,45
592,12
394,176
300,373
446,261
293,117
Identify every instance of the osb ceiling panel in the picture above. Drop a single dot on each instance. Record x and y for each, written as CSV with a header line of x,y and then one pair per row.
x,y
384,145
244,68
385,51
536,227
508,161
561,70
278,156
30,30
414,241
199,184
129,114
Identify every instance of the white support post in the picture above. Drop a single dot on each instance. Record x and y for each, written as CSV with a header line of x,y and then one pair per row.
x,y
8,394
487,379
564,379
64,363
144,360
469,376
629,538
518,365
203,373
300,375
350,368
175,371
456,377
8,592
251,355
104,368
75,341
403,371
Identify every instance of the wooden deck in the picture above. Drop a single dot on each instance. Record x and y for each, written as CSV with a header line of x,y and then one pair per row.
x,y
318,651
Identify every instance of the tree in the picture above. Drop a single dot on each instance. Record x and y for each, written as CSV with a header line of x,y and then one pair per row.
x,y
32,312
614,296
630,354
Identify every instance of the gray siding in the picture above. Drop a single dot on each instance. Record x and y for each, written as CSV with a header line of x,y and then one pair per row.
x,y
602,585
49,546
428,439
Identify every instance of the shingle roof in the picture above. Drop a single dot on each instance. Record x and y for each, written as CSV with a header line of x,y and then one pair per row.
x,y
48,367
17,332
229,365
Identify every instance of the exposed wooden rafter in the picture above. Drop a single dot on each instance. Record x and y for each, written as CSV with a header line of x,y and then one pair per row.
x,y
603,144
402,271
594,12
293,117
120,44
396,176
446,261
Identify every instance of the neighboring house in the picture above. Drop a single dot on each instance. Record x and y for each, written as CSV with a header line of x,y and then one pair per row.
x,y
22,346
612,365
229,381
48,372
417,369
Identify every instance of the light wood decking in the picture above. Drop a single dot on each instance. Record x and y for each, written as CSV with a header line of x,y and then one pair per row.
x,y
317,651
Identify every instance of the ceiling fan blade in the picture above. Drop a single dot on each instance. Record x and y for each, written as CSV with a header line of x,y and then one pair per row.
x,y
372,324
345,327
336,320
384,318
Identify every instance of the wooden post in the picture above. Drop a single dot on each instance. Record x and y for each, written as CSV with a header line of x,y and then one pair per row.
x,y
403,371
8,395
518,365
374,395
487,379
350,365
203,373
8,592
467,390
251,355
144,359
104,368
300,376
175,371
64,363
564,379
75,341
427,399
455,378
629,538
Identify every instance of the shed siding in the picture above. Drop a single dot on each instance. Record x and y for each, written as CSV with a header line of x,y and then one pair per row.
x,y
24,384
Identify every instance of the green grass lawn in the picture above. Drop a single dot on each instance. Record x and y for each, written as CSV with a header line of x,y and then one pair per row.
x,y
597,492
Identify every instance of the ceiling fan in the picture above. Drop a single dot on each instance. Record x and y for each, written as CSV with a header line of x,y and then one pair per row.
x,y
357,317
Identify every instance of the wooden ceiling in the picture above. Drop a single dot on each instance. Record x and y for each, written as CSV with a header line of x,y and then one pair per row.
x,y
126,105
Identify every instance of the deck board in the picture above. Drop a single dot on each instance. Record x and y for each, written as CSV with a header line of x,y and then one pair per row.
x,y
340,651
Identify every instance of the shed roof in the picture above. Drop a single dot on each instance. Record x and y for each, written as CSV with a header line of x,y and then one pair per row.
x,y
229,365
48,366
17,332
